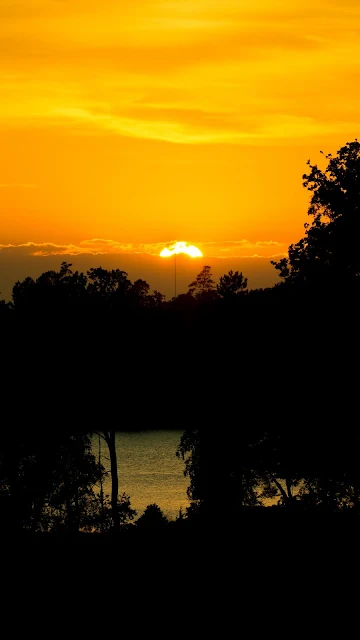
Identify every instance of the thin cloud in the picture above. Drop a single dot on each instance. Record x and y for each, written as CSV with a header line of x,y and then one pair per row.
x,y
244,72
95,246
241,249
175,125
100,246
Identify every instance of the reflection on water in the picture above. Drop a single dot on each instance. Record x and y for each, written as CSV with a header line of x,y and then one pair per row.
x,y
149,470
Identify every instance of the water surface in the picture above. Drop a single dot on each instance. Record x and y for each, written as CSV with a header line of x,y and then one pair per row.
x,y
149,470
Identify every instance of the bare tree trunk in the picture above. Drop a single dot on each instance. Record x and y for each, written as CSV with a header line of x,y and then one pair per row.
x,y
281,489
288,486
101,489
110,441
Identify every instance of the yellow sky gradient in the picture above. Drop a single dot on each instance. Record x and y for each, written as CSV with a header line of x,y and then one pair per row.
x,y
126,125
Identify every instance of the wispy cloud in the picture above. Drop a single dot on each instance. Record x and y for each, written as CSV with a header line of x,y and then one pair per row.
x,y
244,249
99,246
189,126
224,72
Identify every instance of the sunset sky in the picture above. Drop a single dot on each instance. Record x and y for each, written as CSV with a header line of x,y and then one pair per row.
x,y
128,124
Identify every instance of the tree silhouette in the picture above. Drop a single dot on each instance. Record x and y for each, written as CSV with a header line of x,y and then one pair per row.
x,y
231,285
228,478
203,287
328,255
51,290
22,293
157,299
99,514
152,518
109,437
104,289
75,473
5,308
139,293
306,470
46,480
107,285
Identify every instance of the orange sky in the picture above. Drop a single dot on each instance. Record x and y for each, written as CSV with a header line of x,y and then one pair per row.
x,y
144,121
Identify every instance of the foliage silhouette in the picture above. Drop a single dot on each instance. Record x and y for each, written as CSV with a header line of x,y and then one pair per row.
x,y
231,285
304,470
152,518
203,287
109,289
108,286
328,255
46,483
99,516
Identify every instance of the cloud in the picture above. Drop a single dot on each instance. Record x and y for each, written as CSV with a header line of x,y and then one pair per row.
x,y
224,72
96,246
241,249
102,247
196,126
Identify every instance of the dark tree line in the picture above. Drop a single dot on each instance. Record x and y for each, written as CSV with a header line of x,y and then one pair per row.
x,y
264,383
58,291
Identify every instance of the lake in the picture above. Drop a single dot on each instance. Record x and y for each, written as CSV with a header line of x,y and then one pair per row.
x,y
149,470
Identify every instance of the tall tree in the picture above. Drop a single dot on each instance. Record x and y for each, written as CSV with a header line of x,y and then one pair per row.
x,y
222,474
329,251
109,437
203,287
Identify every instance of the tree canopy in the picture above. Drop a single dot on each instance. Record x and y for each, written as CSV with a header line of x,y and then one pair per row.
x,y
231,285
203,287
328,255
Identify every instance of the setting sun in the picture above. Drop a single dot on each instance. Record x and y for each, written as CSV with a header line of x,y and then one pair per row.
x,y
129,124
181,247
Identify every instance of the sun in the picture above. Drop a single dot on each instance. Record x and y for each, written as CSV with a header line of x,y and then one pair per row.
x,y
181,247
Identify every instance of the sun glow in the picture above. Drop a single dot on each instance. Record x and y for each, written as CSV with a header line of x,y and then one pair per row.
x,y
181,247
